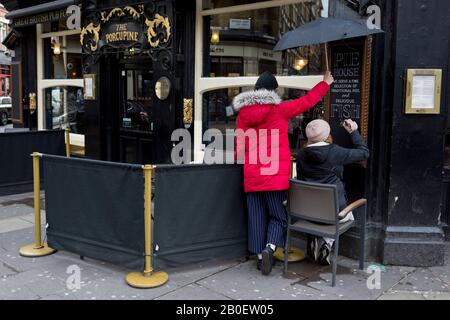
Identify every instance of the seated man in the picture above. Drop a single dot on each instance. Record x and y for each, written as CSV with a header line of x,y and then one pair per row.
x,y
321,161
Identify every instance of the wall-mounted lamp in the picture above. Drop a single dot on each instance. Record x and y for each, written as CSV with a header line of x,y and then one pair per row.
x,y
56,46
300,64
215,37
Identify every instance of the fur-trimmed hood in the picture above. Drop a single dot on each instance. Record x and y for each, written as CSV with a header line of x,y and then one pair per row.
x,y
257,97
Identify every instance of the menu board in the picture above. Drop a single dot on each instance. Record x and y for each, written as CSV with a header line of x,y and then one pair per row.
x,y
423,93
345,101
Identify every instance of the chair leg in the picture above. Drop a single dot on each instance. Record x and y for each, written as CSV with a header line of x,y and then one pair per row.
x,y
286,250
335,258
362,241
362,249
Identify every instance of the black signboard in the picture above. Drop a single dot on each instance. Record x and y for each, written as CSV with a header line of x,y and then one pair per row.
x,y
122,34
348,95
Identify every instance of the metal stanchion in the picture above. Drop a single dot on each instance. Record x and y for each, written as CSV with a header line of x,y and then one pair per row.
x,y
294,254
38,249
67,142
148,278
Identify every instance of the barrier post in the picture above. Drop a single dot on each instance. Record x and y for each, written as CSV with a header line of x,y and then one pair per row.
x,y
148,278
67,142
38,249
294,254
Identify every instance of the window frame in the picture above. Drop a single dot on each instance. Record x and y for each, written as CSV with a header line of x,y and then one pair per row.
x,y
204,84
43,83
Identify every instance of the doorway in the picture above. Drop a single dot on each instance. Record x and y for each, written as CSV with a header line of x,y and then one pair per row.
x,y
136,111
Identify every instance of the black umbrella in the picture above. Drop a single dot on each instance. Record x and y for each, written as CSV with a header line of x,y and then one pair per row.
x,y
324,30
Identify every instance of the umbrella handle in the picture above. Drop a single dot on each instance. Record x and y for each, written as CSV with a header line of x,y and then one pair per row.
x,y
326,56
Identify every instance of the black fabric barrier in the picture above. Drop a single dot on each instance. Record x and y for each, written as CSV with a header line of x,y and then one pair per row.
x,y
16,174
95,209
200,214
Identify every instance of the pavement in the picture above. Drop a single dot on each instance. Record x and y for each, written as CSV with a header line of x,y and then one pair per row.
x,y
52,277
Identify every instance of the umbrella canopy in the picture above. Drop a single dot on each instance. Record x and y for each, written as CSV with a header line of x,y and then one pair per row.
x,y
324,30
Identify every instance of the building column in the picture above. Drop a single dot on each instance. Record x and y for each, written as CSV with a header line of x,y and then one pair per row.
x,y
413,236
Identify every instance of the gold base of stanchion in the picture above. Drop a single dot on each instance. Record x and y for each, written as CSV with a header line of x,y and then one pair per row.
x,y
33,251
295,255
141,281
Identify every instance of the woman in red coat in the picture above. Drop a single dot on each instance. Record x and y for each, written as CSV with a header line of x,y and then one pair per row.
x,y
263,147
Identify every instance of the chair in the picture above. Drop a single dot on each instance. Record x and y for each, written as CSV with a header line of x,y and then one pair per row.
x,y
317,210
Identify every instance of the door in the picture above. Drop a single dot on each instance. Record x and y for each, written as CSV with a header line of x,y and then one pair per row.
x,y
136,127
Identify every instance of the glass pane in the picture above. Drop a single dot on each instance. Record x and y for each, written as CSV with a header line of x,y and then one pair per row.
x,y
63,57
65,108
136,110
241,43
217,113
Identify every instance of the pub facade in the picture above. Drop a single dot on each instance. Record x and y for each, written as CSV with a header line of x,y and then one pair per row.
x,y
123,75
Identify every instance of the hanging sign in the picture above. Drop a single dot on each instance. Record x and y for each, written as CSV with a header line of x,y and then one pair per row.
x,y
120,35
127,27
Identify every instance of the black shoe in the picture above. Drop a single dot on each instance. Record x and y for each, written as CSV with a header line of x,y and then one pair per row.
x,y
258,264
267,261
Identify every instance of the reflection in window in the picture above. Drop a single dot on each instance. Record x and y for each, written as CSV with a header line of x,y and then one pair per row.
x,y
137,100
63,57
243,42
65,108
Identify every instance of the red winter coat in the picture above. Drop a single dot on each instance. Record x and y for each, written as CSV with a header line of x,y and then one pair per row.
x,y
260,110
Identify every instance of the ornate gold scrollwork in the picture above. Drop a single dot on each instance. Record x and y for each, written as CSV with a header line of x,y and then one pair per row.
x,y
91,29
188,108
151,32
119,12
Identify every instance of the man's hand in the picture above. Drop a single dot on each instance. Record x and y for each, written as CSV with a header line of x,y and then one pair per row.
x,y
350,125
328,78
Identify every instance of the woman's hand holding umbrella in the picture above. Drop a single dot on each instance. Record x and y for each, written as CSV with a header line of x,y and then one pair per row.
x,y
328,78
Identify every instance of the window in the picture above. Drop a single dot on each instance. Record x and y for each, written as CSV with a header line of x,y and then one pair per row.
x,y
236,45
63,57
136,112
244,41
64,108
60,79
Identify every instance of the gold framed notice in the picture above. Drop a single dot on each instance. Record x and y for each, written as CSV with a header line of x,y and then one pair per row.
x,y
423,91
90,87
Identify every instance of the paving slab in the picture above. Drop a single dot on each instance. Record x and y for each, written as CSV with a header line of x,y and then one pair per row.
x,y
14,198
351,283
37,281
13,224
421,280
245,282
193,292
437,296
15,210
6,270
402,295
14,292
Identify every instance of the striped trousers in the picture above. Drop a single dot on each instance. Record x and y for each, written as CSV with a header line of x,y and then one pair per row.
x,y
267,219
